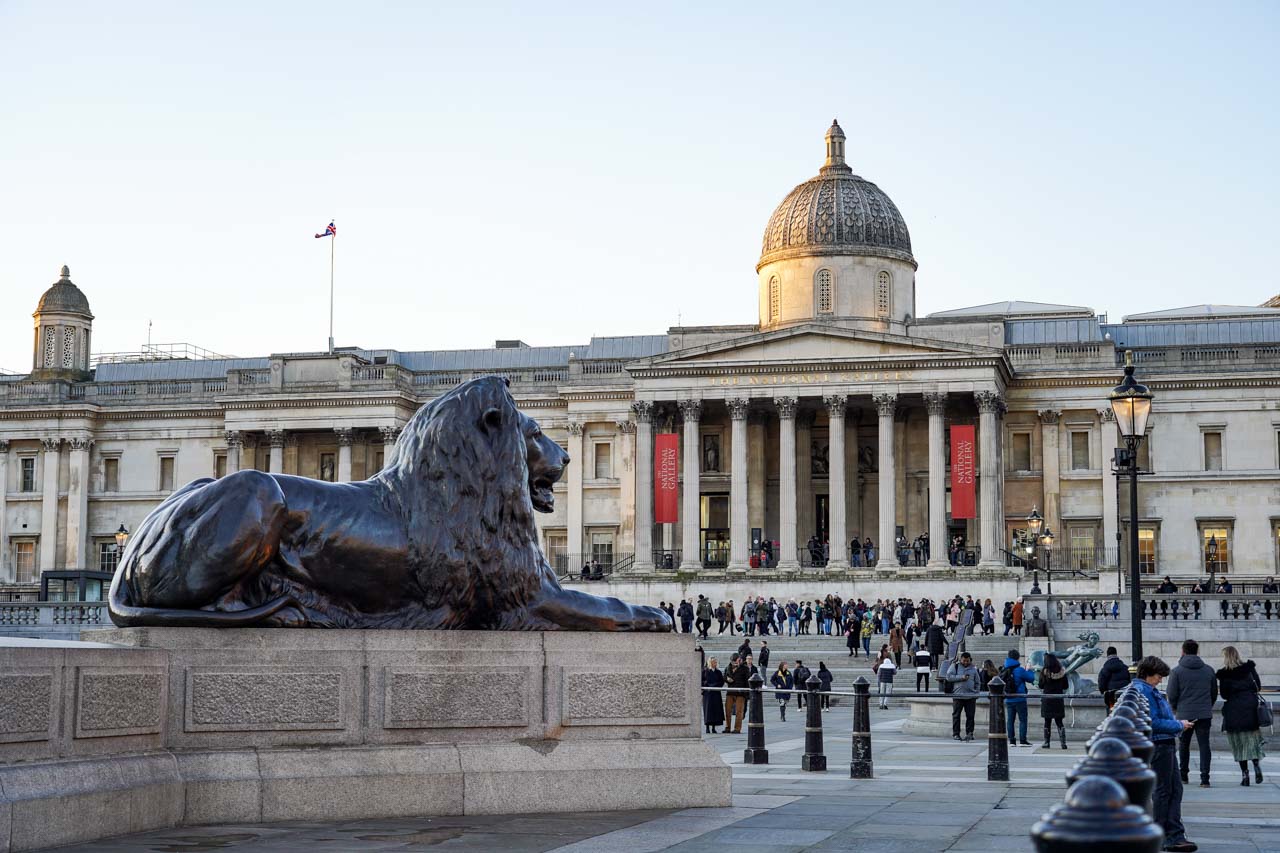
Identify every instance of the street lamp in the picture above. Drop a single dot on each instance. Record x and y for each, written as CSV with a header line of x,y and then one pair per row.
x,y
1131,403
1046,542
1211,561
122,536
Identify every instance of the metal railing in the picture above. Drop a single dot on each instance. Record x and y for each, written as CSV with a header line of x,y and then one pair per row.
x,y
50,614
667,560
595,566
1168,607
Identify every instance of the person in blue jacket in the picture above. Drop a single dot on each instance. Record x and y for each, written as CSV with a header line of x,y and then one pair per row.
x,y
1016,678
1166,802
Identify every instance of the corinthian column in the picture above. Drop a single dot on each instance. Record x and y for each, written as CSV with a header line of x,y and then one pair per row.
x,y
5,577
787,483
886,556
345,435
235,444
574,515
691,517
936,405
739,526
837,485
276,437
989,406
49,504
644,485
78,505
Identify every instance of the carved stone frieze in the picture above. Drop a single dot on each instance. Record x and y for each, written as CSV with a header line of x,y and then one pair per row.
x,y
1049,416
51,444
627,427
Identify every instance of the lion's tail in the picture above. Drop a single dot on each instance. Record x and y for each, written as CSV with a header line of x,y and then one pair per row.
x,y
125,615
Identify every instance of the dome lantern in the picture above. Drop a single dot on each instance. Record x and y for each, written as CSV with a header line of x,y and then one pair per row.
x,y
63,324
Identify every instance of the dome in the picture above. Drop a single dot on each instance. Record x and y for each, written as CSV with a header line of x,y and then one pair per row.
x,y
64,298
836,213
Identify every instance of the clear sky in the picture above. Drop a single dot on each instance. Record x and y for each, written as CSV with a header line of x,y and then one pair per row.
x,y
549,172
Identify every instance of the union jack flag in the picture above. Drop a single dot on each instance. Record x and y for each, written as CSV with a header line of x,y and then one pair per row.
x,y
328,232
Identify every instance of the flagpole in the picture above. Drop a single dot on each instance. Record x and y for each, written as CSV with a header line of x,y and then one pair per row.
x,y
332,240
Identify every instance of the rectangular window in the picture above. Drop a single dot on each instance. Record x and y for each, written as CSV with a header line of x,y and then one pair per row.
x,y
1020,455
327,469
1144,454
24,561
377,461
1081,547
219,465
1215,543
1147,550
111,474
604,460
1079,451
108,555
27,465
1213,451
602,549
166,473
557,547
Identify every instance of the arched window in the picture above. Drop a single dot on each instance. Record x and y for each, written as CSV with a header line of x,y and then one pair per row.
x,y
50,347
68,346
773,300
822,292
884,300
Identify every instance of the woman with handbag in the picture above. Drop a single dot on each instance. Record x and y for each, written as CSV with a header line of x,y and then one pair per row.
x,y
1243,713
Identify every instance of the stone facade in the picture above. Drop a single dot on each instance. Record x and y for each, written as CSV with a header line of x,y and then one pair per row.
x,y
760,411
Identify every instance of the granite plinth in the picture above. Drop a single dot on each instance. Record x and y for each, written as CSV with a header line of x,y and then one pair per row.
x,y
185,726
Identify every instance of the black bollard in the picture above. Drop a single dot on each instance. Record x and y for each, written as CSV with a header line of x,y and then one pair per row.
x,y
1122,728
1129,711
813,759
1096,816
1112,758
861,767
755,753
997,739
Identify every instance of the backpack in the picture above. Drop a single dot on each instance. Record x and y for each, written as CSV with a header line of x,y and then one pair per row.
x,y
1006,675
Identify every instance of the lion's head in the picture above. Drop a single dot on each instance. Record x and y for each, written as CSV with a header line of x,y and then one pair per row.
x,y
468,471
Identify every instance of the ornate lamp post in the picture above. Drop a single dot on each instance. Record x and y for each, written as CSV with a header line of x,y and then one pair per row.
x,y
1131,403
1046,544
1211,562
1034,523
122,536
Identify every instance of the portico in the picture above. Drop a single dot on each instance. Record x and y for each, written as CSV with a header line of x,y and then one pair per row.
x,y
875,409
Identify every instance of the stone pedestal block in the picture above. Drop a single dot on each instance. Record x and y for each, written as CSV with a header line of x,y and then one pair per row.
x,y
151,727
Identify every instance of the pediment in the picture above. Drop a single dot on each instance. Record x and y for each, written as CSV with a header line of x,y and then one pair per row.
x,y
808,344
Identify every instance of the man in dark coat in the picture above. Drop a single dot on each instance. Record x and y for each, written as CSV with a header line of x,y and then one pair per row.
x,y
764,656
1192,690
801,679
745,649
935,640
1113,675
686,616
738,679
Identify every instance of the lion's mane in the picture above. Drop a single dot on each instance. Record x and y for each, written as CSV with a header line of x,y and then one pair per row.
x,y
460,475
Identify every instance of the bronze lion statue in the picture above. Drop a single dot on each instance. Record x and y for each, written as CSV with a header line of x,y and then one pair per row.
x,y
442,537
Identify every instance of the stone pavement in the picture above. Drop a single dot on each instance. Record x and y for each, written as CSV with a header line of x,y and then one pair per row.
x,y
928,794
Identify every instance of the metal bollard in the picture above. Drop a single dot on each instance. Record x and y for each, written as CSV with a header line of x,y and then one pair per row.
x,y
997,739
1111,757
861,766
1096,815
1131,713
813,759
1122,728
755,753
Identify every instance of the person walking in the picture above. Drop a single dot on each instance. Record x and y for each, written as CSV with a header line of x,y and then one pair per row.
x,y
720,617
924,665
988,618
868,628
935,639
801,676
704,617
1017,617
731,616
824,687
1166,802
782,681
884,668
713,701
1192,690
764,656
896,638
1053,683
1113,675
749,617
1016,678
965,683
737,678
686,616
1239,684
852,635
1008,617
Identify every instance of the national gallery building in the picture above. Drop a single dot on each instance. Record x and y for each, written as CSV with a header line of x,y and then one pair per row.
x,y
830,418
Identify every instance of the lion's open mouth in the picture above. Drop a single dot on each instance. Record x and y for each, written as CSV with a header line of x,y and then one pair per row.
x,y
540,490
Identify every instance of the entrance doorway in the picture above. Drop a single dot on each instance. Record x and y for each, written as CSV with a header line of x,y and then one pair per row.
x,y
715,531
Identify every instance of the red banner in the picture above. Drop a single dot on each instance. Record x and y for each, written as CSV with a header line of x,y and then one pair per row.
x,y
962,474
666,477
